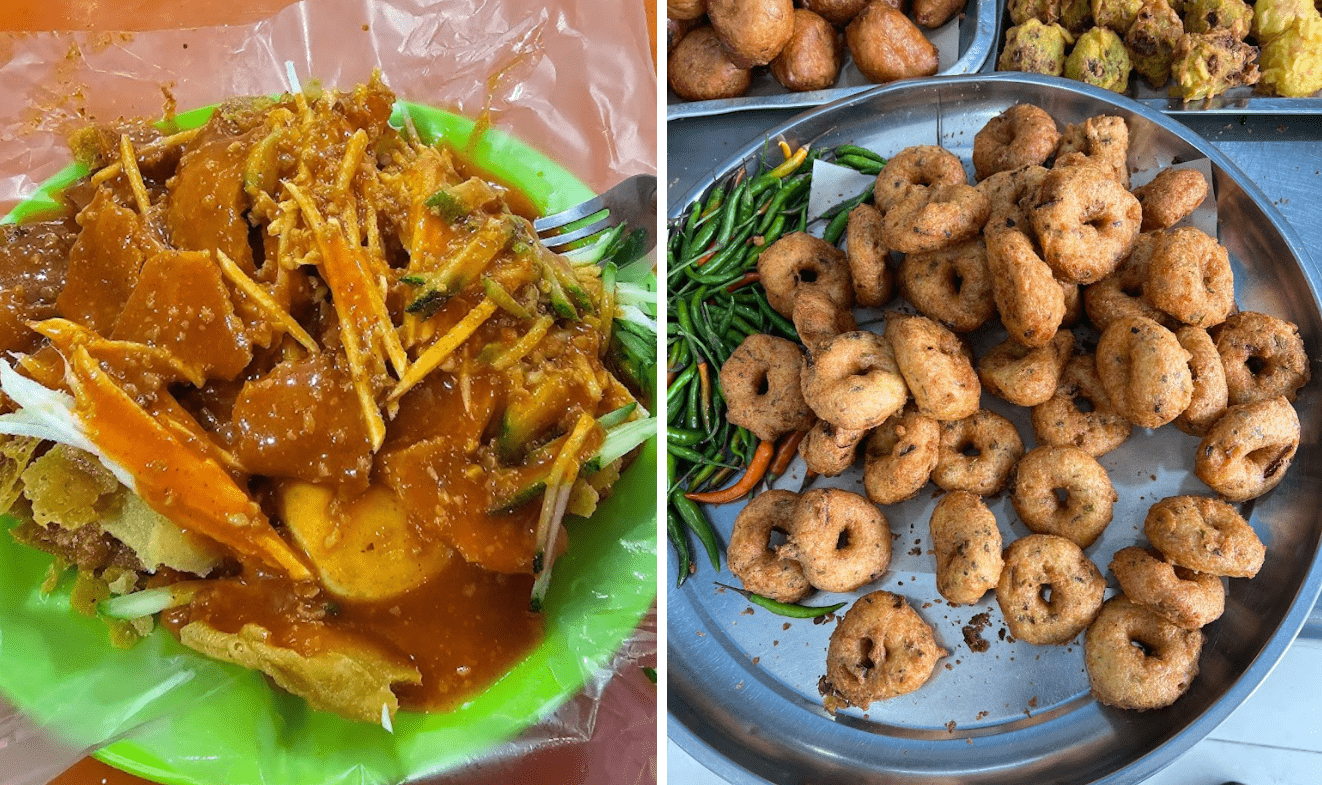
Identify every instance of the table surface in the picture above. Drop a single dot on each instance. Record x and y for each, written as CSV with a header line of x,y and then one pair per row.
x,y
1274,737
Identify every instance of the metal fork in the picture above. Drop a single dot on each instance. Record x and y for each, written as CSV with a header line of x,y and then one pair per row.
x,y
631,202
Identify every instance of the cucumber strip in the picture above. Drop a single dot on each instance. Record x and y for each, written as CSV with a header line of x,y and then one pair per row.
x,y
620,441
617,417
150,601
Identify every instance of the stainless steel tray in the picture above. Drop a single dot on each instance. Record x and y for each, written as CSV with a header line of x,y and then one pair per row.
x,y
743,683
1238,100
977,39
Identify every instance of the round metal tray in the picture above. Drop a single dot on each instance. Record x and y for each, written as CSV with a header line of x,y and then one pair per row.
x,y
743,683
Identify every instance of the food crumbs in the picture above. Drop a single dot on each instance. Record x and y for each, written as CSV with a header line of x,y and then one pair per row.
x,y
973,632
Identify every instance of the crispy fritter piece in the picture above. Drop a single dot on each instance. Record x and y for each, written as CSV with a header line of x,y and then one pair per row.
x,y
1151,41
1208,64
1034,47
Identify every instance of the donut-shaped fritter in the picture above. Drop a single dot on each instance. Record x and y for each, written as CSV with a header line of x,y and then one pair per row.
x,y
874,281
1042,563
1073,304
1170,197
800,261
818,318
829,450
1101,141
900,456
750,555
934,218
1085,221
854,382
1010,194
1183,597
880,649
935,368
1120,294
1204,534
1024,376
916,168
1263,356
1079,414
1089,495
1023,135
1247,451
761,384
1145,371
950,285
841,539
968,548
1210,395
1028,298
1138,660
977,453
1190,277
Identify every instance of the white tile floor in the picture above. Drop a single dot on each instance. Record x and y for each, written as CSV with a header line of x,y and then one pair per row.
x,y
1273,738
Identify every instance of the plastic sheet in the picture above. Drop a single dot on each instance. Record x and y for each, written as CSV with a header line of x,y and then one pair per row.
x,y
564,77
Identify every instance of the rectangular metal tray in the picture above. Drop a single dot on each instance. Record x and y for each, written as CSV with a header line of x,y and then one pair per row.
x,y
977,39
1237,101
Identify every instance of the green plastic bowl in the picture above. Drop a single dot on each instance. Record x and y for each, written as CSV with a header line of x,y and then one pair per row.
x,y
174,716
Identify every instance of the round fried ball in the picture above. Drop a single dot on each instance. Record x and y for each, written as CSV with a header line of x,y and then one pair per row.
x,y
753,31
699,69
812,58
887,46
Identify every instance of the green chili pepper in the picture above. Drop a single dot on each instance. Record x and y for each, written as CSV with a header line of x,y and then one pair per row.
x,y
692,515
683,437
743,328
779,323
729,216
861,152
692,413
693,456
789,190
674,394
702,242
682,550
802,223
836,228
859,163
746,203
786,609
714,200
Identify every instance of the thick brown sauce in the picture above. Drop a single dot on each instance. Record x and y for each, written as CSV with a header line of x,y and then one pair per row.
x,y
462,630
